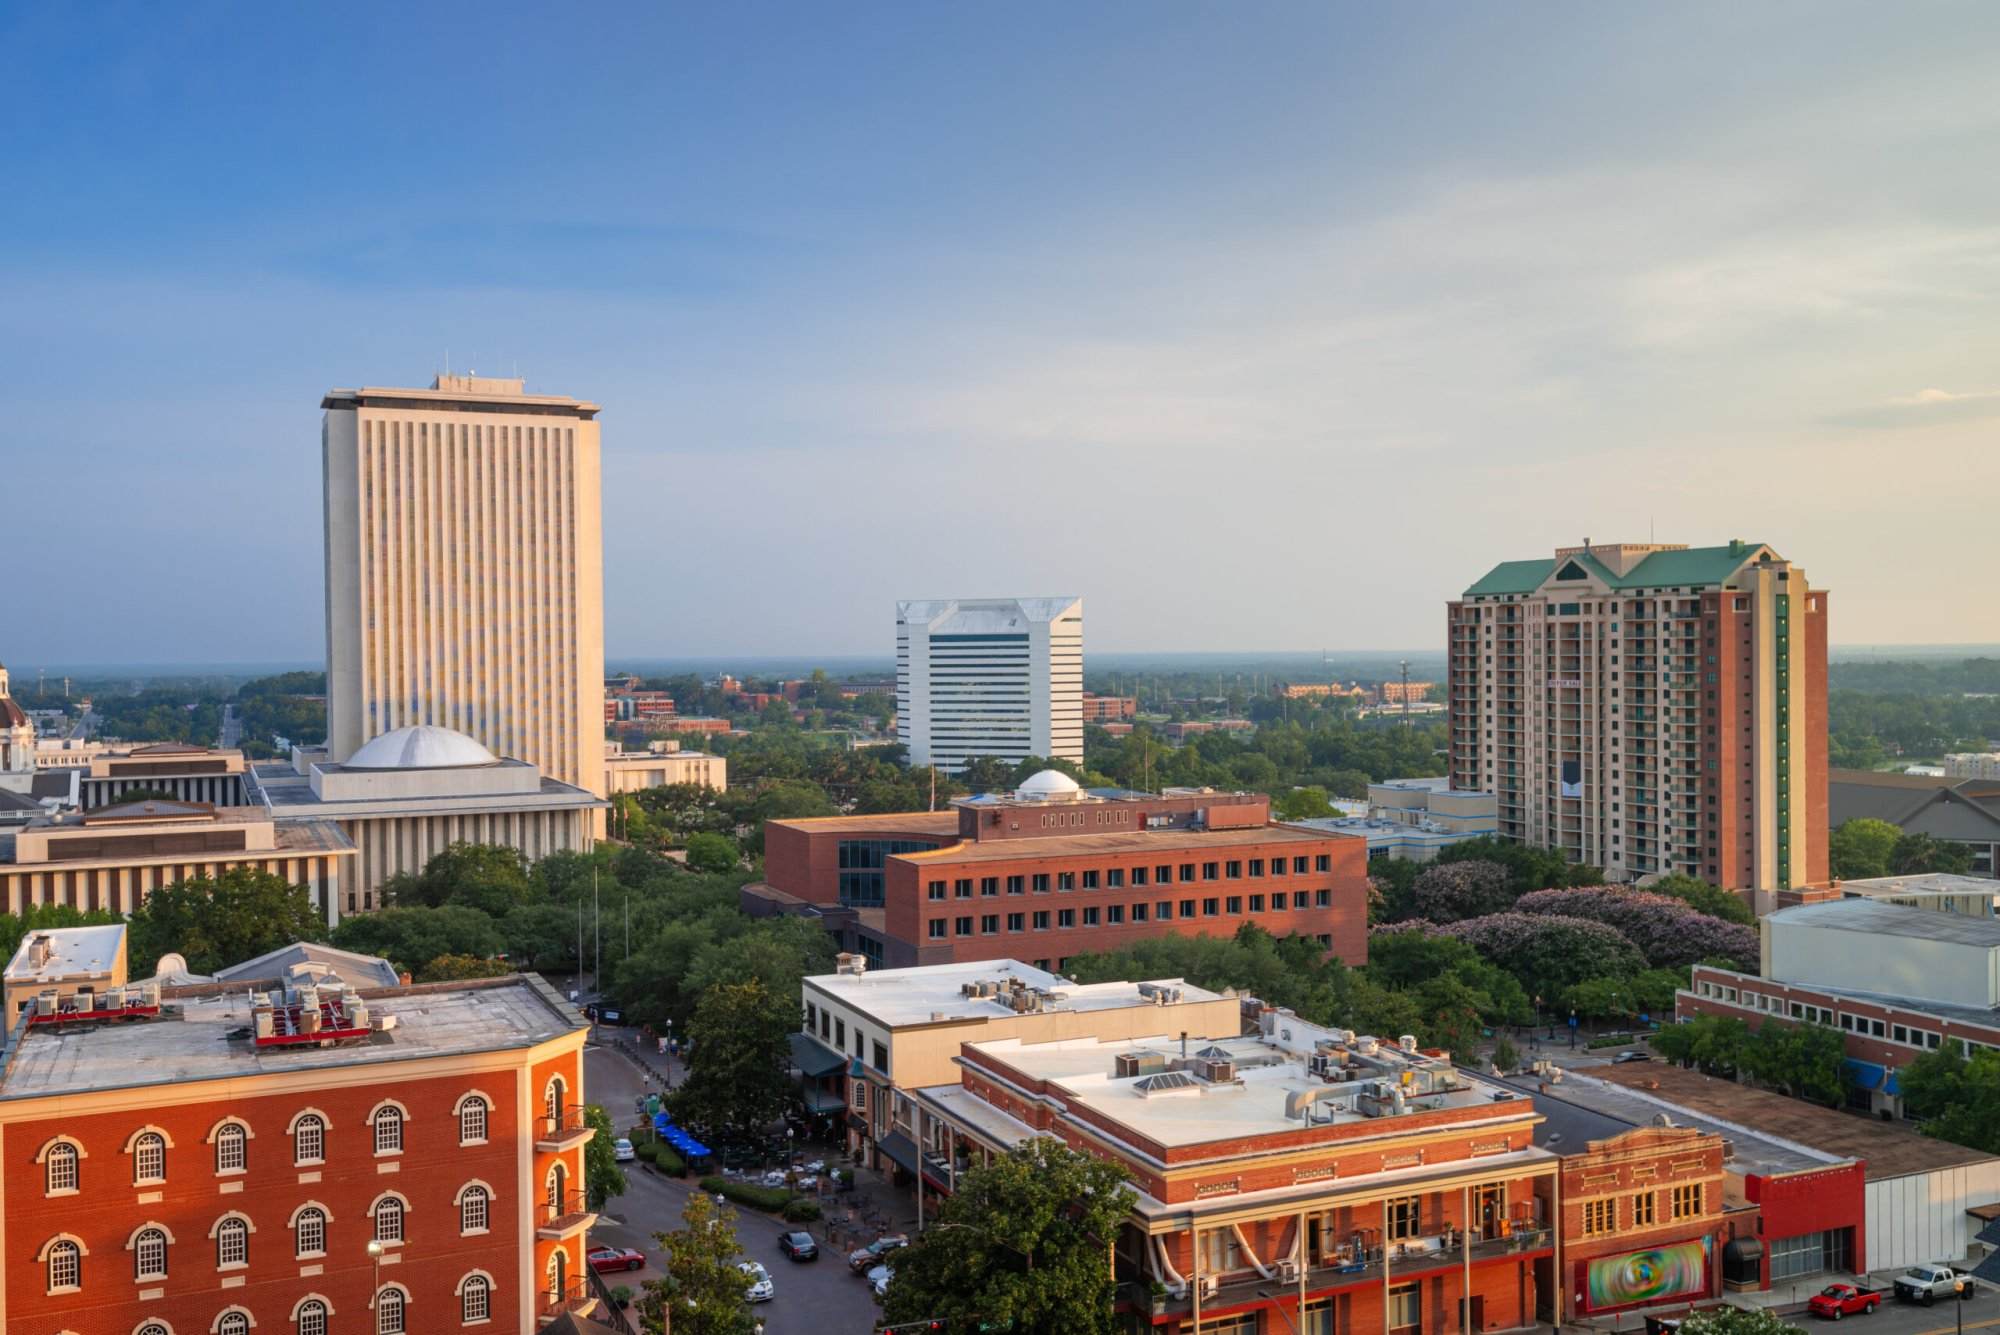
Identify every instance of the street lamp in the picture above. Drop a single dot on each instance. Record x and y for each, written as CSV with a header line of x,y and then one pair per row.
x,y
375,1250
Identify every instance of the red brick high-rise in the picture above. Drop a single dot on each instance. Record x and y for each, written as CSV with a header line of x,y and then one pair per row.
x,y
1649,708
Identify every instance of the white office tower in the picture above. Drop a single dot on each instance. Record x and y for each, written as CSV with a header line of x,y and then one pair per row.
x,y
999,677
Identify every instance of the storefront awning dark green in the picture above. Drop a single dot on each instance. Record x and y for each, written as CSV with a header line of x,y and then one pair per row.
x,y
814,1058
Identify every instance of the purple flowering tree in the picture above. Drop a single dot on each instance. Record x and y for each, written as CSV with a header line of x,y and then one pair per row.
x,y
1548,952
1669,933
1451,891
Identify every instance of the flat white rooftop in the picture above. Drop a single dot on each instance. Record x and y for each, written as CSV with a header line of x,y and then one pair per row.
x,y
71,952
928,993
203,1042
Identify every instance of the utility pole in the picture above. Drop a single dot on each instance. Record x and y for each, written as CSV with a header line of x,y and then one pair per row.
x,y
1406,692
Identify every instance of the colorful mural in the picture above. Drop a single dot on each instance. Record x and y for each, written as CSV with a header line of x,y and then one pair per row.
x,y
1659,1274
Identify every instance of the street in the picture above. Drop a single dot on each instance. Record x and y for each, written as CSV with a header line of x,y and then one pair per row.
x,y
813,1298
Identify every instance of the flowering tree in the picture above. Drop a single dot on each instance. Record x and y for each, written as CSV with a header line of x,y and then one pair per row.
x,y
1456,890
1548,951
1666,930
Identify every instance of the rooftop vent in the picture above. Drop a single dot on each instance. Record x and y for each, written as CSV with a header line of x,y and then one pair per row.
x,y
1167,1083
1144,1062
850,964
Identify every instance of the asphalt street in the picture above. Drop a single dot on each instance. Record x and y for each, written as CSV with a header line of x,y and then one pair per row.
x,y
813,1298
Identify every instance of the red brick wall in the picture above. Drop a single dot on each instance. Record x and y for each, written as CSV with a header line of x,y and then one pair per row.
x,y
803,858
1649,1162
1863,1047
106,1210
1811,1201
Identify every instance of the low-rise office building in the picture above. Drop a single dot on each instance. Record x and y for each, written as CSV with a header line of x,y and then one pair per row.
x,y
1972,765
296,1158
1956,810
660,764
406,796
872,1037
1051,871
1414,819
180,770
1941,892
112,858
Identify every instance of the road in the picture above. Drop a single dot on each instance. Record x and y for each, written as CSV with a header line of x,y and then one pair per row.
x,y
232,729
816,1298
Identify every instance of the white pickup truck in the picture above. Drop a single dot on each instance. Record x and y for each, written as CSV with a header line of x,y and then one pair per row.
x,y
1927,1283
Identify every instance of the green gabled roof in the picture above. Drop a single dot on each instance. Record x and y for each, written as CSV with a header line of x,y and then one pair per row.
x,y
1694,566
1513,577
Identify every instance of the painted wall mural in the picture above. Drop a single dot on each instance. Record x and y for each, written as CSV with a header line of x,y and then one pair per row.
x,y
1658,1274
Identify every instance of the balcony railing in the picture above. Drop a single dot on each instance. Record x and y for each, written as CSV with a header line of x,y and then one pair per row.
x,y
563,1216
566,1130
574,1298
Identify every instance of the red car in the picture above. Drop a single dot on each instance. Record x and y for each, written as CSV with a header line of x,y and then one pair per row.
x,y
616,1258
1838,1300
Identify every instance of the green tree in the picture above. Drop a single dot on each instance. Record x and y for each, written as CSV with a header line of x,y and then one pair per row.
x,y
602,1177
489,877
1859,849
701,1285
1920,854
1506,1057
1805,1061
1022,1246
1528,867
1712,1043
737,1081
214,922
457,968
1728,1320
410,938
1304,804
1703,897
1956,1097
712,853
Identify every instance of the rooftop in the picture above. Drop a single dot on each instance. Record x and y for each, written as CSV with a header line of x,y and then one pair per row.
x,y
66,952
941,823
1148,842
1926,883
1832,1135
929,993
1880,918
350,967
205,1037
1668,566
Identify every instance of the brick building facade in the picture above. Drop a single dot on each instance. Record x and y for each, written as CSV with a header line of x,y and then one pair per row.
x,y
1642,1221
229,1169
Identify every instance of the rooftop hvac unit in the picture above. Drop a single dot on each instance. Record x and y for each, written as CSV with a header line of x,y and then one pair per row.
x,y
1408,1042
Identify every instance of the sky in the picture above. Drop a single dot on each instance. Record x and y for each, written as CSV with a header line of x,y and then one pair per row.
x,y
1260,326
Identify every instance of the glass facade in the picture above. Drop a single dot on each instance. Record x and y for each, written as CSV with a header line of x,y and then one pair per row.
x,y
1812,1254
860,863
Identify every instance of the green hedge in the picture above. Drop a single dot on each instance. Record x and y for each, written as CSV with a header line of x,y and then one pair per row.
x,y
656,1152
801,1210
746,1193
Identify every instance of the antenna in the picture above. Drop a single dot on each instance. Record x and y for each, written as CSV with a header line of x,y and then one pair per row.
x,y
1405,665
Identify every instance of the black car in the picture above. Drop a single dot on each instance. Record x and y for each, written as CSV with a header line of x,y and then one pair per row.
x,y
799,1246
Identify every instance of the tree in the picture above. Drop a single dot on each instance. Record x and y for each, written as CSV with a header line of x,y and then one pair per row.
x,y
214,922
602,1177
1531,868
1549,951
1918,854
1805,1061
1392,885
457,968
1860,849
702,1284
712,853
1022,1246
489,877
1304,804
738,1078
410,938
1956,1097
1702,897
1450,891
1727,1320
43,917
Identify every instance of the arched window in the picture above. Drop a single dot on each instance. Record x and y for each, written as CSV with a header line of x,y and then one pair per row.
x,y
558,1188
389,1311
149,1157
149,1254
475,1299
388,1131
558,1275
312,1317
552,1104
309,1139
232,1242
389,1219
153,1328
231,1148
472,1119
61,1167
309,1232
233,1323
65,1261
472,1210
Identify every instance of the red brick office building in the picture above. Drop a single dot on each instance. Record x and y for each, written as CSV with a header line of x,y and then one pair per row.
x,y
1053,871
234,1167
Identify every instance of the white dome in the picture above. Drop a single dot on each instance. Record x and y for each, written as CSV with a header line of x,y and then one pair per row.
x,y
421,747
1050,785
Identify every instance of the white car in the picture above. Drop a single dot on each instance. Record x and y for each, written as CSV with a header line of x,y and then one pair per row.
x,y
761,1289
878,1279
621,1150
775,1178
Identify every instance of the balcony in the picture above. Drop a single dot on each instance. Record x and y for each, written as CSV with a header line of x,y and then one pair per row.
x,y
565,1131
563,1217
573,1299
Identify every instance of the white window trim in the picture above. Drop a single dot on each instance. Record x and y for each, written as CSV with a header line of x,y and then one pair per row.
x,y
42,1260
458,1203
215,1232
305,1298
458,1108
132,1150
247,1315
325,1131
492,1290
159,1321
326,1218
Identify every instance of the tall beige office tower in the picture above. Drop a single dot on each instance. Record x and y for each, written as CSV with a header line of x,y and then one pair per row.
x,y
465,570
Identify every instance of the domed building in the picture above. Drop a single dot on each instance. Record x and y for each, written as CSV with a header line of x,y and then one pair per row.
x,y
405,796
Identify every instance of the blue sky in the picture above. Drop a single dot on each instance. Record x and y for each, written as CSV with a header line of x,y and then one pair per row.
x,y
1260,326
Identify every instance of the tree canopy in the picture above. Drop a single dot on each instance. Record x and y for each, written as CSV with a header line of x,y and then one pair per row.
x,y
737,1073
219,921
701,1284
1956,1097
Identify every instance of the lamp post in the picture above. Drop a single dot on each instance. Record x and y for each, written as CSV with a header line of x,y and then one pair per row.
x,y
375,1250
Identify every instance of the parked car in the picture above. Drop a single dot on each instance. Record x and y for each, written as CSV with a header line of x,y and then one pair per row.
x,y
878,1280
616,1258
799,1246
1838,1300
622,1151
1927,1283
863,1259
761,1289
1624,1057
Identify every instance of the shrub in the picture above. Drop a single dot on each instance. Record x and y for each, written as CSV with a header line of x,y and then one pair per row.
x,y
1666,930
748,1193
801,1210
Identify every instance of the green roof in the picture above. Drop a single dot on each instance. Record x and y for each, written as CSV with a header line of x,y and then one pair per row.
x,y
1692,566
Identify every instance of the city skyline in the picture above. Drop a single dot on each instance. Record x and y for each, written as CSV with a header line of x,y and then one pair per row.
x,y
1315,291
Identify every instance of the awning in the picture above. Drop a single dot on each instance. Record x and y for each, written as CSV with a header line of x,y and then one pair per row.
x,y
1988,1269
814,1058
1865,1075
1743,1250
900,1149
823,1100
1990,1235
